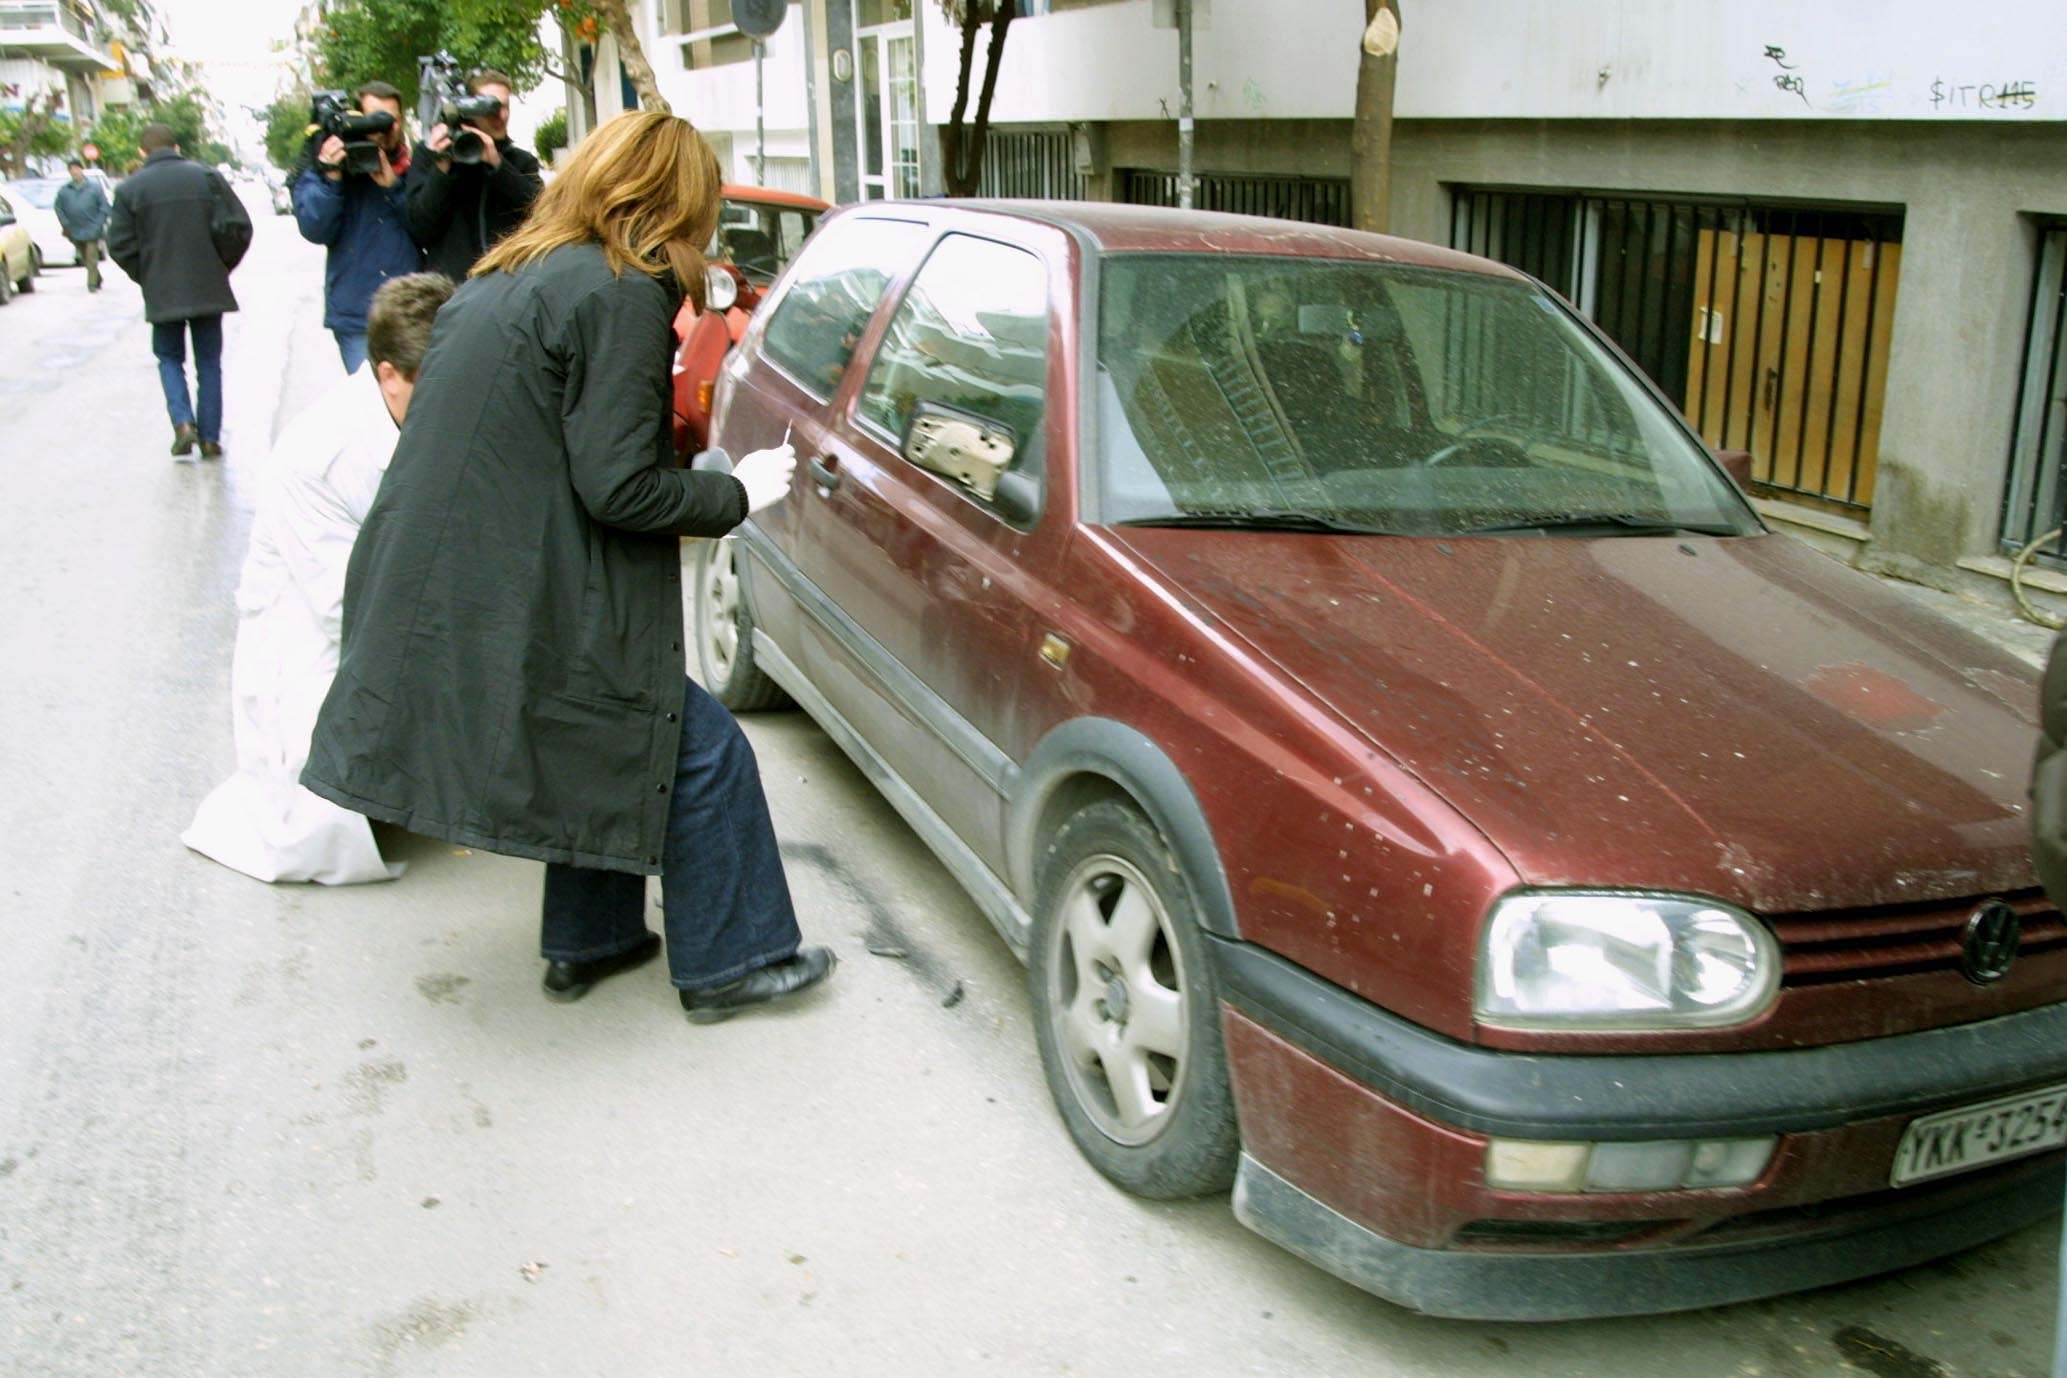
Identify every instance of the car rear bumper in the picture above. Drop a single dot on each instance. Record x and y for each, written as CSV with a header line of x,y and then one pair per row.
x,y
1365,1143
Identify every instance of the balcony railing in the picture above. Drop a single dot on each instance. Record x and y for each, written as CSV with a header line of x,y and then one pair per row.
x,y
45,14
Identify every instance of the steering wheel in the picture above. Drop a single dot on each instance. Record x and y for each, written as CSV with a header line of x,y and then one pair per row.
x,y
1471,437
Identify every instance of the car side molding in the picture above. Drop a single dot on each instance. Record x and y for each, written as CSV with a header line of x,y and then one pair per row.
x,y
1141,769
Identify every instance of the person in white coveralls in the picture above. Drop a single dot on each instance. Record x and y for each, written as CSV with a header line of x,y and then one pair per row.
x,y
321,479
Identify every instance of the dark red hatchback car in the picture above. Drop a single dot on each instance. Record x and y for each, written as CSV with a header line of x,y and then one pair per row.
x,y
1425,794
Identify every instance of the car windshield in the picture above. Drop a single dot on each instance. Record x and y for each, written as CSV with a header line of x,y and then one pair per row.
x,y
1333,395
760,239
40,194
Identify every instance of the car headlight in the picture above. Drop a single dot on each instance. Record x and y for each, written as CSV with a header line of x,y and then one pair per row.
x,y
1572,960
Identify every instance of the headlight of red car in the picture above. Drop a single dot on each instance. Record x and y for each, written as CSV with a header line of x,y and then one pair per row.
x,y
1576,960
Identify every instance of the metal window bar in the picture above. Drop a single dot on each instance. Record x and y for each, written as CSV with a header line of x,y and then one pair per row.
x,y
1319,200
1767,321
2035,500
1037,163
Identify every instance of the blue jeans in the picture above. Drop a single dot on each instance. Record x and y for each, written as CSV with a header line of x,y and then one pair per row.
x,y
169,343
724,899
351,347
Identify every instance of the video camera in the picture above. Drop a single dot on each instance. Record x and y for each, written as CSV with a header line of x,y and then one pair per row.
x,y
447,101
334,112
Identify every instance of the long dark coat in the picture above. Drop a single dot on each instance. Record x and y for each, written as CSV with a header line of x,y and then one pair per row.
x,y
178,230
512,668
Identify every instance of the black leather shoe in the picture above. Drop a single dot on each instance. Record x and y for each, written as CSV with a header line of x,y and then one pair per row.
x,y
211,449
183,438
567,981
772,982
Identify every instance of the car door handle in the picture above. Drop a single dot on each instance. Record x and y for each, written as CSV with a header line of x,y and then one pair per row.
x,y
825,472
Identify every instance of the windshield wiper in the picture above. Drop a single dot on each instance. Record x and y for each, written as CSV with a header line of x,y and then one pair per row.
x,y
1259,521
1612,523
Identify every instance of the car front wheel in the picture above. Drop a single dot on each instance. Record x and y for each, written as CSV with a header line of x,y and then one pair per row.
x,y
1126,1010
724,632
35,267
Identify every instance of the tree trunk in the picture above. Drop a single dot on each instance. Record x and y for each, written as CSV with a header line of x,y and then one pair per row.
x,y
1370,138
962,147
617,17
951,132
993,58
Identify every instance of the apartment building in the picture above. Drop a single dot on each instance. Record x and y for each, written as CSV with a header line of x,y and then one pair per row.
x,y
91,55
1836,235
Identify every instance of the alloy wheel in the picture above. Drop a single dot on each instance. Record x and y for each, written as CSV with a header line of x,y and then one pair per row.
x,y
1116,989
718,624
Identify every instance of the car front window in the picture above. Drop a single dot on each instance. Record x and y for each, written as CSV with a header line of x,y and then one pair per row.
x,y
971,334
1381,397
42,195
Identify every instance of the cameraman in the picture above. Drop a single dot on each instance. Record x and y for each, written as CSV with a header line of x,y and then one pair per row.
x,y
361,217
458,210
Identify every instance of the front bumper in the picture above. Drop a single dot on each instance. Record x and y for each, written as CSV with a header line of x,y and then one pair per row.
x,y
1365,1137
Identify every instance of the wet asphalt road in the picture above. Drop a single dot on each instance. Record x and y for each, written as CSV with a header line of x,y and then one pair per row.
x,y
254,1130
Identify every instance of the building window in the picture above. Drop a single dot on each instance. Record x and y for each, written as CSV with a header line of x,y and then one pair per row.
x,y
1768,323
717,50
1321,200
1037,163
695,16
2036,502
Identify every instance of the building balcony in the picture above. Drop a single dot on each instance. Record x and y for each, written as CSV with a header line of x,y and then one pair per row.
x,y
59,32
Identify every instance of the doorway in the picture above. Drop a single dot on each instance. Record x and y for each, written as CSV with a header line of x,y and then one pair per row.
x,y
886,98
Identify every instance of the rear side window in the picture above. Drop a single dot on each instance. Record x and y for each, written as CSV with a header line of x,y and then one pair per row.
x,y
971,334
837,283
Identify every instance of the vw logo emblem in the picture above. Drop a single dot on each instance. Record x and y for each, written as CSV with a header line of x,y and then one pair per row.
x,y
1989,943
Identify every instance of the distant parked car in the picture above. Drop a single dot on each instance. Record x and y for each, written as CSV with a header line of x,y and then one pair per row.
x,y
283,199
1427,797
19,258
35,199
759,232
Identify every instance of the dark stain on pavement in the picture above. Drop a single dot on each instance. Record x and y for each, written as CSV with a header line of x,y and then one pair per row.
x,y
884,933
1883,1357
366,1085
442,988
426,1324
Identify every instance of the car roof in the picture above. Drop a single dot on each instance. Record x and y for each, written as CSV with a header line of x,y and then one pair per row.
x,y
1118,228
769,196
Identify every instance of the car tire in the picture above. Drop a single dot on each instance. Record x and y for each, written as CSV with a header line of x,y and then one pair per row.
x,y
1115,927
35,267
6,286
722,626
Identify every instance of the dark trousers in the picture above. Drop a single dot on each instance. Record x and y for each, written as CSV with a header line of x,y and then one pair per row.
x,y
169,343
88,251
724,899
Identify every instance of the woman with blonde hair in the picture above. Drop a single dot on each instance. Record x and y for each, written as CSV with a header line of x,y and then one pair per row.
x,y
512,676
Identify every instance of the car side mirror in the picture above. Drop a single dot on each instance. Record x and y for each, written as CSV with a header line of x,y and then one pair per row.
x,y
5,220
974,451
1737,464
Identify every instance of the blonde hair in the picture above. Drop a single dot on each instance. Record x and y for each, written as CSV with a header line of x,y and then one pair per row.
x,y
645,186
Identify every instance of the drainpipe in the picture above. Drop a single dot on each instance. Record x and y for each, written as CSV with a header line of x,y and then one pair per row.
x,y
1185,180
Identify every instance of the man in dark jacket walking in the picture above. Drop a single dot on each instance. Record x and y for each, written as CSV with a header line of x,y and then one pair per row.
x,y
361,219
458,210
82,213
178,230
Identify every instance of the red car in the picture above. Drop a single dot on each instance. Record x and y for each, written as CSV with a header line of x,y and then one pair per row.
x,y
1425,795
759,232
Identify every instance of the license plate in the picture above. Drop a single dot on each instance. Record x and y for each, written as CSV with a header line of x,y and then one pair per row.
x,y
1959,1140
